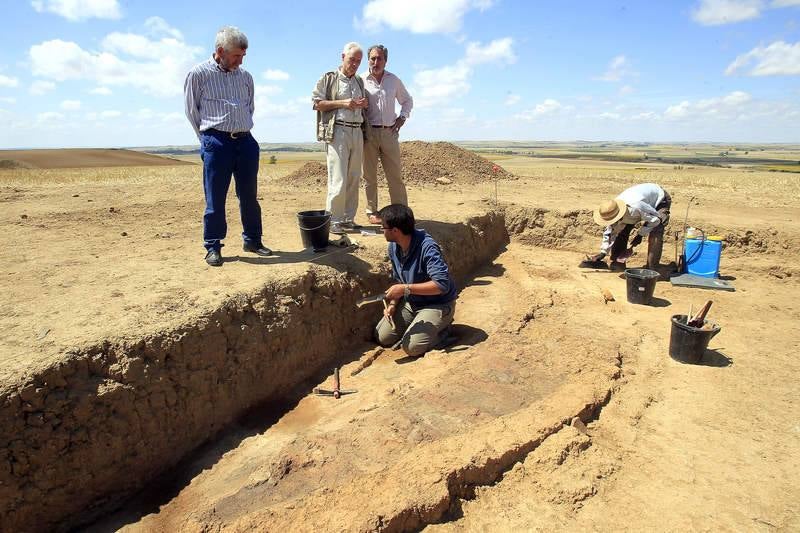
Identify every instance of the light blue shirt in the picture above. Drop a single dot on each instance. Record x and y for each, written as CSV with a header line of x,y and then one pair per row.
x,y
219,99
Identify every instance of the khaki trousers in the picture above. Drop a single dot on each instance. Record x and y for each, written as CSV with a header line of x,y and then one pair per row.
x,y
417,330
344,156
384,144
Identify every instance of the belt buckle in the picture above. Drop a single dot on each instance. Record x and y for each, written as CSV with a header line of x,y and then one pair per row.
x,y
234,135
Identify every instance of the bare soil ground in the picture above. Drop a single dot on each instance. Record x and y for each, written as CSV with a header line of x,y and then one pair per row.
x,y
82,158
473,438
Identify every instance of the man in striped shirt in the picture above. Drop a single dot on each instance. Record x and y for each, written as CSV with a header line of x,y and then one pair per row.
x,y
383,89
219,98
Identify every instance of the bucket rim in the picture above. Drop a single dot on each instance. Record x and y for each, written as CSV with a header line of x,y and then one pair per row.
x,y
314,213
676,319
641,273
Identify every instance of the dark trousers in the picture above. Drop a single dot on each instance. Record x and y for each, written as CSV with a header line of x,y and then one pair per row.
x,y
655,239
224,157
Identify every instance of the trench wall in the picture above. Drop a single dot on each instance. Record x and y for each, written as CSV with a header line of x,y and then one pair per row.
x,y
80,436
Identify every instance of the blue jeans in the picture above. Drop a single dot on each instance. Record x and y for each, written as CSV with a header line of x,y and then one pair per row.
x,y
224,157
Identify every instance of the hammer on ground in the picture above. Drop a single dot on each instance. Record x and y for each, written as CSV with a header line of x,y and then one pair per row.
x,y
337,391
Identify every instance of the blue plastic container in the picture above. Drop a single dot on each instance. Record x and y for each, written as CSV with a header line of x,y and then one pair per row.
x,y
702,256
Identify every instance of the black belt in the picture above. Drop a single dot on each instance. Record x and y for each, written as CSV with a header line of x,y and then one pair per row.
x,y
392,126
231,134
347,124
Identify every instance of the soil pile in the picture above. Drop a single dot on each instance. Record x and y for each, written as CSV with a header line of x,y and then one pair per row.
x,y
425,163
439,163
310,174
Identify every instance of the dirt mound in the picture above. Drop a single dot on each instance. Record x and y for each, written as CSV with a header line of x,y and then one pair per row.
x,y
11,163
439,163
85,158
312,174
425,163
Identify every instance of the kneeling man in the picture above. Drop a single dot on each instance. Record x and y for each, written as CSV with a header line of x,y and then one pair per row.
x,y
423,301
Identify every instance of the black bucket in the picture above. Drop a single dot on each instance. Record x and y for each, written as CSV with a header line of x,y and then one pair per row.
x,y
314,228
641,285
688,344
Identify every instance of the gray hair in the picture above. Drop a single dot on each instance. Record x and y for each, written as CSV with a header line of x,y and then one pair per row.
x,y
352,47
380,48
229,37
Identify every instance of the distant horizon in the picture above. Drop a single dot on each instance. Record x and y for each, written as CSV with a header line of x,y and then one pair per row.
x,y
111,73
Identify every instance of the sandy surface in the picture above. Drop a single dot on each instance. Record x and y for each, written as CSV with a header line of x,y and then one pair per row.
x,y
668,446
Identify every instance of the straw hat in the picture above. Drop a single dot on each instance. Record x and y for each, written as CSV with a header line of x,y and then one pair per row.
x,y
610,212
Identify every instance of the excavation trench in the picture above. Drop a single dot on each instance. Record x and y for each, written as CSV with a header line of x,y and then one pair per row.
x,y
395,456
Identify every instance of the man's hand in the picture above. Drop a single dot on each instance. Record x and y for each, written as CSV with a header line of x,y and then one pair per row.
x,y
595,258
395,292
636,241
356,103
398,124
388,311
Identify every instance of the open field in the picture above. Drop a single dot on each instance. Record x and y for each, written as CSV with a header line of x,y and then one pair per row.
x,y
81,158
142,390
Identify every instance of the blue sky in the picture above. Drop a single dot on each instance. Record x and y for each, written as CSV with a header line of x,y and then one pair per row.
x,y
109,73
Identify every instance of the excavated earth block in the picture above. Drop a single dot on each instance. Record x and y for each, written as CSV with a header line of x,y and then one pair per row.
x,y
117,414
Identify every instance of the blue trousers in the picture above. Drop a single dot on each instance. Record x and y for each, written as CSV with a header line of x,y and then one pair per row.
x,y
224,157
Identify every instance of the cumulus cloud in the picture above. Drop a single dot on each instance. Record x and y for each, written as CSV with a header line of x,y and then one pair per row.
x,y
76,10
40,87
157,67
49,117
158,27
729,106
785,3
275,75
548,107
8,99
71,105
419,16
8,81
102,91
777,59
441,85
618,68
718,12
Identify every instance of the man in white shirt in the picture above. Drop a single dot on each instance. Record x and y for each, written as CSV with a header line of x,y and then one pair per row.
x,y
647,203
383,89
340,101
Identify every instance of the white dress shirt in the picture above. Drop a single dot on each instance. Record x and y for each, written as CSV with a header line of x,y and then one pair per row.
x,y
382,96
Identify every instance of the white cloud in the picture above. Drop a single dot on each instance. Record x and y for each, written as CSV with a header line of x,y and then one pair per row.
x,y
419,16
717,12
625,89
785,3
40,87
268,90
157,27
8,81
267,109
729,107
443,84
131,60
49,117
499,50
8,99
548,107
76,10
102,91
275,75
777,59
512,99
110,114
618,68
70,105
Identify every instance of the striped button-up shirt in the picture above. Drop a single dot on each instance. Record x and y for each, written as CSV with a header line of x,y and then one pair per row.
x,y
381,111
219,99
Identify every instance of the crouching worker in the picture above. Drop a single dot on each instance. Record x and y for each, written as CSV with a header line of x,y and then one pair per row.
x,y
647,203
422,302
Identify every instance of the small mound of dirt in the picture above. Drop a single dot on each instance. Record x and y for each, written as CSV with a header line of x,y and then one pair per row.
x,y
12,163
427,163
312,174
439,163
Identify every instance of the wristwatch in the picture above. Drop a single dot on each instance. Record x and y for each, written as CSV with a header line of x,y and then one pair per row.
x,y
406,291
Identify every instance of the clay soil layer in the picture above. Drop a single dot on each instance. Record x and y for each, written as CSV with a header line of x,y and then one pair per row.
x,y
128,364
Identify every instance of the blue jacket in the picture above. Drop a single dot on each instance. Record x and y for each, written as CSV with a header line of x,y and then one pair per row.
x,y
424,262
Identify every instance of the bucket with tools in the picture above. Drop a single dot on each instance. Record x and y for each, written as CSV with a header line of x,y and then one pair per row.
x,y
690,336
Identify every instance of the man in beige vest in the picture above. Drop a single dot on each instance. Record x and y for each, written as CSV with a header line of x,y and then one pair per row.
x,y
383,89
340,101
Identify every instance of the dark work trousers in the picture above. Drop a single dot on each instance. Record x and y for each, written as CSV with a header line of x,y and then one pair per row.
x,y
223,157
655,239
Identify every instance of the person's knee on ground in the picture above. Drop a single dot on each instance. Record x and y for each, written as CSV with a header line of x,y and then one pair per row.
x,y
384,334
